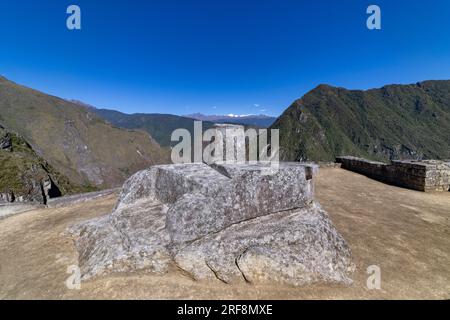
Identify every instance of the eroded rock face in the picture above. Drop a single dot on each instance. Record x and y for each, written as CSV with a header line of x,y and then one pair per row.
x,y
226,222
6,142
25,176
7,197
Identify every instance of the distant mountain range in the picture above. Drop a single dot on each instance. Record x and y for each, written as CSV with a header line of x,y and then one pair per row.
x,y
393,122
73,140
261,120
69,146
159,126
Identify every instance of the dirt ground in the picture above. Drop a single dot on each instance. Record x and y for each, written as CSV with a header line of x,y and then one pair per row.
x,y
406,233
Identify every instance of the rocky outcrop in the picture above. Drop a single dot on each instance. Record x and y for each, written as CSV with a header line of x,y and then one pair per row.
x,y
35,189
24,175
227,222
6,142
7,197
41,189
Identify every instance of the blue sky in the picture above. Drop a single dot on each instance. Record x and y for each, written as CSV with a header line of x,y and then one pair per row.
x,y
218,57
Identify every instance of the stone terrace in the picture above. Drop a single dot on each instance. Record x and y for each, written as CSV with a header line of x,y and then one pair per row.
x,y
423,175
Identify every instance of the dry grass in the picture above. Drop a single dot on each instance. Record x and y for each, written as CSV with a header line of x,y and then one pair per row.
x,y
406,233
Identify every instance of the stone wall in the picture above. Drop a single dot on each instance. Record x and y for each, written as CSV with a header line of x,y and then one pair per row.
x,y
424,175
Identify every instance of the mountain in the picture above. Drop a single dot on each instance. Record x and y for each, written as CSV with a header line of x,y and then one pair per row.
x,y
393,122
261,120
160,126
75,141
25,176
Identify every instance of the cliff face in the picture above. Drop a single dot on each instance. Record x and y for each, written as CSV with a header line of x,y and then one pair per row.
x,y
88,151
25,176
393,122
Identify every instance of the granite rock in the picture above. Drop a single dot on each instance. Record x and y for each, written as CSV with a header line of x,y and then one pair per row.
x,y
226,222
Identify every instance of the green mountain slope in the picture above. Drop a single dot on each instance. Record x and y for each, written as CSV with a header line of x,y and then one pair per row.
x,y
74,140
160,126
393,122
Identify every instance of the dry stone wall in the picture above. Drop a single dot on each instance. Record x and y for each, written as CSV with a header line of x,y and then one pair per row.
x,y
424,175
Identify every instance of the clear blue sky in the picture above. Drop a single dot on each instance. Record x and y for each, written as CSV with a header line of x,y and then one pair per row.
x,y
216,56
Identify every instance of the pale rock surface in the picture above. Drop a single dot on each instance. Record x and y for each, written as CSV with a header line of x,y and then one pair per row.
x,y
229,222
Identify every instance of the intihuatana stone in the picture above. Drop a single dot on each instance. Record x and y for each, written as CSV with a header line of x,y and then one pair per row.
x,y
228,222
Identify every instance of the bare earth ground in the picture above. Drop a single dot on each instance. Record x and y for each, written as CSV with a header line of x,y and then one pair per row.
x,y
406,233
